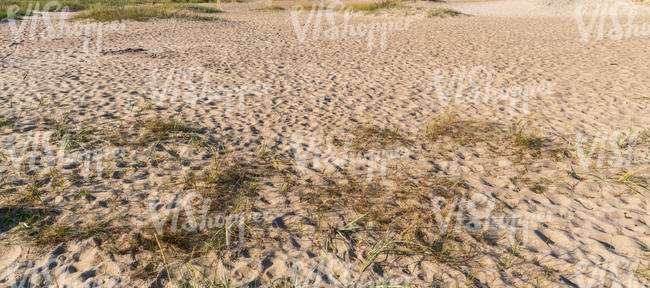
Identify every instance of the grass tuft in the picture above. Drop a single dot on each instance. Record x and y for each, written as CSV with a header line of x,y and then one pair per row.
x,y
71,137
6,122
442,12
523,138
538,188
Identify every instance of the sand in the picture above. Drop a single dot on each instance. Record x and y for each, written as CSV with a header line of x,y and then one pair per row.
x,y
574,226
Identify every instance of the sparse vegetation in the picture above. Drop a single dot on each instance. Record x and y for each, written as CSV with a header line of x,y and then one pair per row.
x,y
413,232
6,122
538,188
512,256
144,12
63,232
442,12
21,7
271,8
464,132
11,217
370,137
626,140
523,137
99,10
137,13
373,6
69,137
632,180
204,9
383,221
164,127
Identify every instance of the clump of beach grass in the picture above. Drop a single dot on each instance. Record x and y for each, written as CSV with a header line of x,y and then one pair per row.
x,y
6,122
442,12
373,6
21,8
107,10
204,9
145,12
523,137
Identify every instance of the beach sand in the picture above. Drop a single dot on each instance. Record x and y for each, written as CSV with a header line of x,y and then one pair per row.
x,y
548,215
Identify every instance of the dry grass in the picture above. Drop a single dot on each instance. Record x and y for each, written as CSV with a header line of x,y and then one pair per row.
x,y
231,184
515,140
464,132
372,137
388,222
58,233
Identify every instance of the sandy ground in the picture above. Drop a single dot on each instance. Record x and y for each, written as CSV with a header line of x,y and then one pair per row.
x,y
578,223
